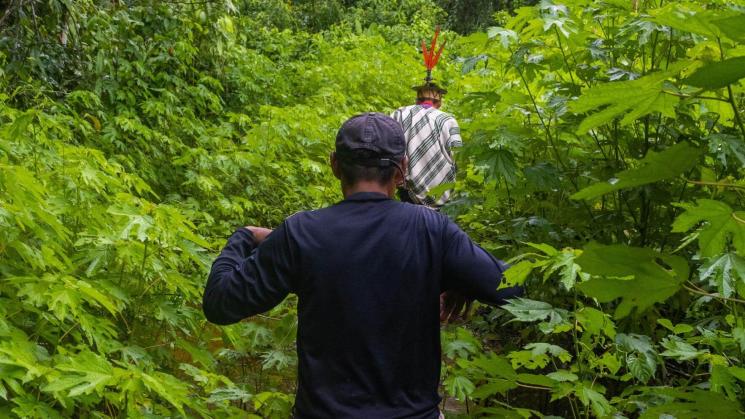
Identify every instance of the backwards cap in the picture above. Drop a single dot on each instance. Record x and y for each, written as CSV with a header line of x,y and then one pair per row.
x,y
369,137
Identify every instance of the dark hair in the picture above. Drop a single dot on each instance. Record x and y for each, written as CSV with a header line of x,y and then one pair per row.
x,y
352,172
424,93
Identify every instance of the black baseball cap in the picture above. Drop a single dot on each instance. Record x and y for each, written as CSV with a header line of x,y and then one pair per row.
x,y
366,138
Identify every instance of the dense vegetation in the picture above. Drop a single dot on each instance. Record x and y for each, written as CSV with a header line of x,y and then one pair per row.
x,y
605,157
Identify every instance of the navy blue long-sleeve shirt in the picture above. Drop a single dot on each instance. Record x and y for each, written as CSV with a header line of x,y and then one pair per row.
x,y
368,273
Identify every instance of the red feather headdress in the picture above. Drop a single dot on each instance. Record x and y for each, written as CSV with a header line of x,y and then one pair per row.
x,y
431,57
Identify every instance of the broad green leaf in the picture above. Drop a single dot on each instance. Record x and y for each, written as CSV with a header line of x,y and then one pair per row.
x,y
654,167
733,26
684,19
564,263
228,394
722,225
506,36
724,272
691,404
518,273
460,387
680,328
529,360
680,350
641,357
718,74
535,379
85,373
562,375
169,388
595,322
545,248
729,149
594,399
631,100
540,348
640,277
526,310
493,387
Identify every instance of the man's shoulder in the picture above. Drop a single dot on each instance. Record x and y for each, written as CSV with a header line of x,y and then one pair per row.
x,y
431,217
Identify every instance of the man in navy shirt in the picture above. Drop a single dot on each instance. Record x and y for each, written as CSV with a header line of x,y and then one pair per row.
x,y
368,272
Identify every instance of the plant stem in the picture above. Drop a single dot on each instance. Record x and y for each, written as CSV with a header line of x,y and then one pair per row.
x,y
719,184
692,288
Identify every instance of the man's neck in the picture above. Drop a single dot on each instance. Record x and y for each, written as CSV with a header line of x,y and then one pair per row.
x,y
368,186
426,104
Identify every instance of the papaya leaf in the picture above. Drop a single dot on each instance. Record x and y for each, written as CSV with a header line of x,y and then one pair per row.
x,y
640,277
631,99
594,399
717,75
519,272
168,387
680,350
733,26
722,225
493,387
526,310
506,36
460,387
654,167
595,322
682,19
729,149
85,373
724,272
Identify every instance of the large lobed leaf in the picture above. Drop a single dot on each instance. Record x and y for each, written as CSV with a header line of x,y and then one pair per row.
x,y
718,74
654,167
722,225
631,99
639,277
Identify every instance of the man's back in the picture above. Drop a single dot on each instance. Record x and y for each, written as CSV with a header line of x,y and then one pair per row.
x,y
368,273
368,333
430,133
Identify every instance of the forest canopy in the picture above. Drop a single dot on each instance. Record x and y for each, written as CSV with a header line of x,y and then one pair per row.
x,y
604,157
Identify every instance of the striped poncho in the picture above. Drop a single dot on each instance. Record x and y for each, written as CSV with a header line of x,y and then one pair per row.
x,y
429,133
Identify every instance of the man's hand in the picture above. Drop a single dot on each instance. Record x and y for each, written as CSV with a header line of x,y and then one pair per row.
x,y
454,306
260,233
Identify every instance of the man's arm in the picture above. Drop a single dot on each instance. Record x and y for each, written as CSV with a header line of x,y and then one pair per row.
x,y
248,278
452,132
472,271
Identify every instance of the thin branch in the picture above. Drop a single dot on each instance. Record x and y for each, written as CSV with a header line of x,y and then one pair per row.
x,y
695,290
723,185
695,96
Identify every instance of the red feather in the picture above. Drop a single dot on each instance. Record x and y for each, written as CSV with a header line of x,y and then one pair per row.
x,y
430,58
424,54
434,43
439,52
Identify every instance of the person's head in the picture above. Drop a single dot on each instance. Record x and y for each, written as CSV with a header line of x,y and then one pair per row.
x,y
370,150
430,93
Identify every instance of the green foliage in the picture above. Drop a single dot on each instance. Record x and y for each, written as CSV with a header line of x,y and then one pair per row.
x,y
653,168
718,74
723,226
653,277
603,156
631,99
